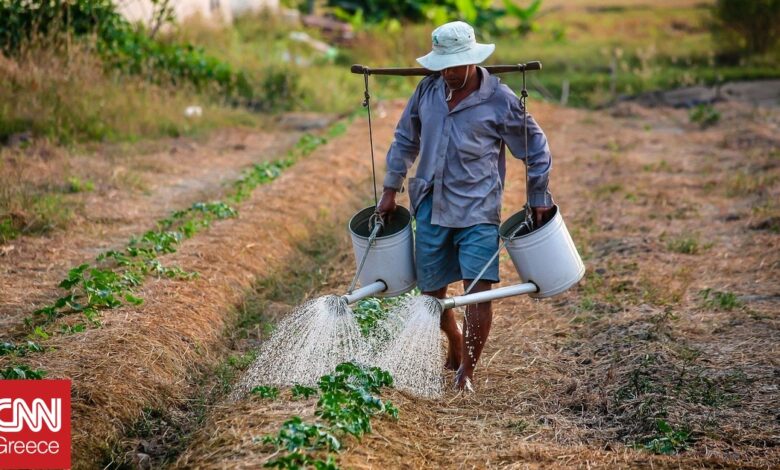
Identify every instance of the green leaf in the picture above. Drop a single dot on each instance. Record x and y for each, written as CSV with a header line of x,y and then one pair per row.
x,y
663,426
133,299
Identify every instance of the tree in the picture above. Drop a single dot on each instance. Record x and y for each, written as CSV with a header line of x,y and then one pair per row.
x,y
749,25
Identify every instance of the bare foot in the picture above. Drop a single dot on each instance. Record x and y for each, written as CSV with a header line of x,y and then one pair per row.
x,y
463,382
453,357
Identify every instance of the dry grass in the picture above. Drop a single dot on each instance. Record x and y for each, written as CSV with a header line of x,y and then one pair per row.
x,y
61,91
141,357
134,186
580,381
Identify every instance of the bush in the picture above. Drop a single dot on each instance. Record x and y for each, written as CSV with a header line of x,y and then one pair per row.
x,y
748,25
120,44
479,13
704,115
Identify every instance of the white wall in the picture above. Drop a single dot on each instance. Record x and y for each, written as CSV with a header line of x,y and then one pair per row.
x,y
239,7
218,11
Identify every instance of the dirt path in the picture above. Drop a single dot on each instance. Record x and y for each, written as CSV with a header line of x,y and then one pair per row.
x,y
661,211
155,184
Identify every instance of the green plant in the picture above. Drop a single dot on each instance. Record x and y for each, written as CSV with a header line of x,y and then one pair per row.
x,y
705,115
122,45
297,460
258,174
303,391
7,230
481,14
688,245
752,26
113,279
11,349
346,404
76,185
524,15
73,329
641,381
367,313
669,441
264,391
22,372
720,300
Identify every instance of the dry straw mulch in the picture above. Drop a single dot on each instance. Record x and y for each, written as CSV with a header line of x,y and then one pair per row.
x,y
131,193
142,357
661,210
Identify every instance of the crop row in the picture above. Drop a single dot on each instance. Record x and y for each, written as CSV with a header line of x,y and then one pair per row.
x,y
348,398
114,277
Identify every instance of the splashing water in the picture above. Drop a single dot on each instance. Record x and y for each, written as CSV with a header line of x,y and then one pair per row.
x,y
414,355
307,344
323,333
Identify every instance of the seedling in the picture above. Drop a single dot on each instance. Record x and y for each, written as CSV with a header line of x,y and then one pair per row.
x,y
685,245
264,391
112,280
260,173
669,441
11,349
720,300
297,460
704,115
76,185
303,391
22,372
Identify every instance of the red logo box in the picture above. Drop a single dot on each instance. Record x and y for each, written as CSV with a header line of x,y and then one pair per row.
x,y
34,424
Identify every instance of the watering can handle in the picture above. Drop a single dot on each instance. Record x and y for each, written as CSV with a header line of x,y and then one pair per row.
x,y
378,224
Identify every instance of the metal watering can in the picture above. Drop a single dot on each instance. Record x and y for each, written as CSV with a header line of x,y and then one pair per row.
x,y
384,254
546,259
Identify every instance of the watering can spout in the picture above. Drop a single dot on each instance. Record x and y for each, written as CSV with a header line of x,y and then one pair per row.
x,y
365,291
488,295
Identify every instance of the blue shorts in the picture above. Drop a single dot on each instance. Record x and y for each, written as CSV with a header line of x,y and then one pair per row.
x,y
444,255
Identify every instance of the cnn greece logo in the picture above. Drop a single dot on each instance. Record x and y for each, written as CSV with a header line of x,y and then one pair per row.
x,y
34,424
34,417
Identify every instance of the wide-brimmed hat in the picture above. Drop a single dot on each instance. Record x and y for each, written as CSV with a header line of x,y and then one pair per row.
x,y
454,44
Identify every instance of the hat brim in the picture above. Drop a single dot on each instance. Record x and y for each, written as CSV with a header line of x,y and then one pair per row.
x,y
475,55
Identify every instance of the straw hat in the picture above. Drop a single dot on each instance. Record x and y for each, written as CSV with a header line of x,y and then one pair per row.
x,y
454,44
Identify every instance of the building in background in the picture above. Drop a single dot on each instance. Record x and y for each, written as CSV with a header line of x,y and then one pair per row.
x,y
216,11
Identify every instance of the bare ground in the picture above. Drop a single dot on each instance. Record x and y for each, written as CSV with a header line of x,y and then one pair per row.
x,y
662,211
146,357
132,192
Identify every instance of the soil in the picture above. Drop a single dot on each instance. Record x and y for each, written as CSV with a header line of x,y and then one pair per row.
x,y
138,190
581,380
676,319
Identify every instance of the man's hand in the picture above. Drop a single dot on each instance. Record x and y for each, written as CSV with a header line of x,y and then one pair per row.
x,y
386,203
541,215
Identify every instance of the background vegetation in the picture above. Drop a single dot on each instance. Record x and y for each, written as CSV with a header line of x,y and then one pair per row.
x,y
74,72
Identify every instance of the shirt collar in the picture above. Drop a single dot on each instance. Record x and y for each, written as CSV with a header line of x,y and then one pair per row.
x,y
487,86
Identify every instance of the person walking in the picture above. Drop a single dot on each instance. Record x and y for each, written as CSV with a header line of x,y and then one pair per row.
x,y
459,122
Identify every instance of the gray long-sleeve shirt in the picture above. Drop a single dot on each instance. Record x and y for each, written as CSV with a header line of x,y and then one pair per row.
x,y
462,153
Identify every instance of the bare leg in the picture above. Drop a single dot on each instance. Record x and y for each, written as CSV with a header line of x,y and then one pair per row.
x,y
450,328
476,327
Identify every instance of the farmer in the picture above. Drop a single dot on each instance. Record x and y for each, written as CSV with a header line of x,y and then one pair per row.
x,y
458,122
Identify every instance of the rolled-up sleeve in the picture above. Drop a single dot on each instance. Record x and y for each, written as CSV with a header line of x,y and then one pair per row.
x,y
539,160
406,144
